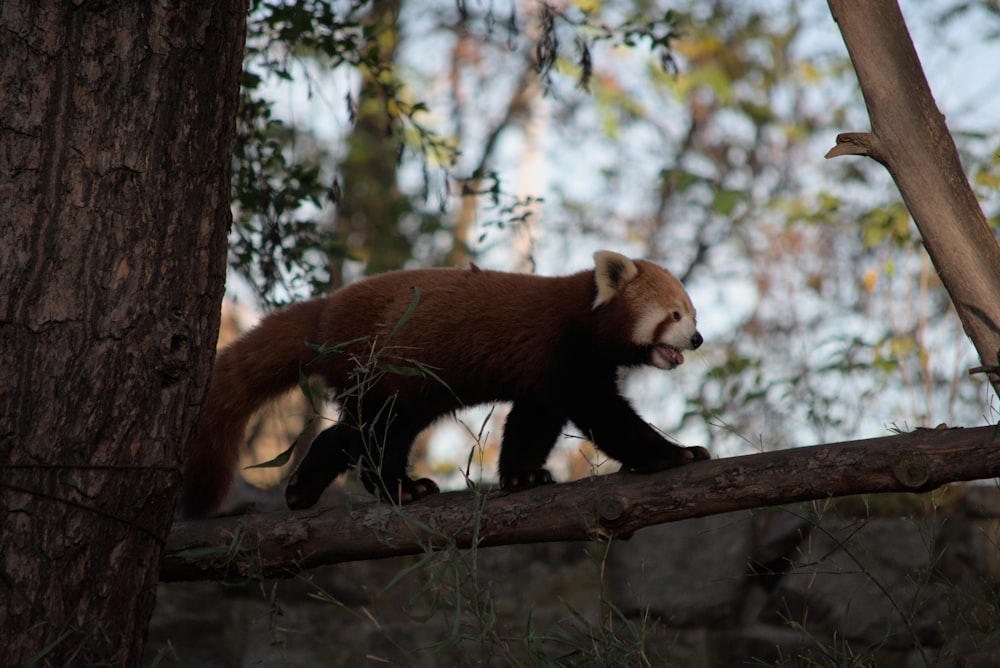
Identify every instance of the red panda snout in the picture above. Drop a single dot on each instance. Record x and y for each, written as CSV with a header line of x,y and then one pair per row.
x,y
666,356
672,339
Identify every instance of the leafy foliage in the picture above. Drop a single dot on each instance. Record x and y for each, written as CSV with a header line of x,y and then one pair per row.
x,y
284,241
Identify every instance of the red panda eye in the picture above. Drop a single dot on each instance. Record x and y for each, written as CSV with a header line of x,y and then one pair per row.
x,y
677,316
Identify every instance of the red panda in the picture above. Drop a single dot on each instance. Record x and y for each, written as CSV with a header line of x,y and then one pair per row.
x,y
443,339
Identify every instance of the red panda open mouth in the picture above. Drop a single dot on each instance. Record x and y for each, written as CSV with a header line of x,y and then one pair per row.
x,y
675,356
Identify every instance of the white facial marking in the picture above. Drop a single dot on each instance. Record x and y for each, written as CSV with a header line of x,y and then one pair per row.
x,y
677,336
648,321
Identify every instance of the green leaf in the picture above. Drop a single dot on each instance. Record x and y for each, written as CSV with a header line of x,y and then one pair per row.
x,y
398,370
725,201
406,315
279,461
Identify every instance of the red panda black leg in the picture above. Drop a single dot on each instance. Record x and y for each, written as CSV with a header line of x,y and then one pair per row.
x,y
340,447
331,453
670,460
400,489
385,461
529,435
698,453
619,432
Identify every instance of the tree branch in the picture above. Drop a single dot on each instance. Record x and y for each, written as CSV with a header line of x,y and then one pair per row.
x,y
856,143
284,543
910,138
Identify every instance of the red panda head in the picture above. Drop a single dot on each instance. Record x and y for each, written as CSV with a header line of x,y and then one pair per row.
x,y
657,309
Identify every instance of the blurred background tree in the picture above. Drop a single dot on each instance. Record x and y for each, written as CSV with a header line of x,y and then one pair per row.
x,y
525,136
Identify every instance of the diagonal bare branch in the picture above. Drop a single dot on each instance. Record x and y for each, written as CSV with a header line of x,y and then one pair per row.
x,y
909,136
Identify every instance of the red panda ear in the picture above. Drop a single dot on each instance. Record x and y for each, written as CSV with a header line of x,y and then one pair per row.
x,y
611,272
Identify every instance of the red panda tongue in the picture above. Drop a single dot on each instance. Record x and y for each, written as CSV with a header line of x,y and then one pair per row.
x,y
671,353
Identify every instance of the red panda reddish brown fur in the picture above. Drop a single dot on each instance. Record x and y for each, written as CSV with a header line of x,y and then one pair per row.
x,y
550,345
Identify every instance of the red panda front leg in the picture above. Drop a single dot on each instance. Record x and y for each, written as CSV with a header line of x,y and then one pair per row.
x,y
616,429
529,434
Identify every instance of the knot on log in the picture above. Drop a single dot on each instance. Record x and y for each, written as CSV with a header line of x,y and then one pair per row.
x,y
611,517
610,510
912,469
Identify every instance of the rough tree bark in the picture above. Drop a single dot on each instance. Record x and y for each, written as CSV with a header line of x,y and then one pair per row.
x,y
117,125
910,138
282,544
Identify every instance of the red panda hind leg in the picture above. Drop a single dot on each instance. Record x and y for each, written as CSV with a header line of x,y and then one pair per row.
x,y
529,434
382,464
331,453
401,490
385,458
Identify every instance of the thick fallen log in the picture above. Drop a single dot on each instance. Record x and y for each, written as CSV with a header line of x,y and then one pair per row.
x,y
600,508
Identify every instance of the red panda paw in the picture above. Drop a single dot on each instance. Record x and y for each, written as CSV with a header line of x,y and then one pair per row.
x,y
671,458
518,481
301,493
413,490
698,453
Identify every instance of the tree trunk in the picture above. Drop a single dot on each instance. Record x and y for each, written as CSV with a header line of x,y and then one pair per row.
x,y
605,507
117,129
371,205
910,138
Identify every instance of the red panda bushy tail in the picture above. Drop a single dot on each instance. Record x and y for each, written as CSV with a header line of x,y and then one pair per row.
x,y
257,367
